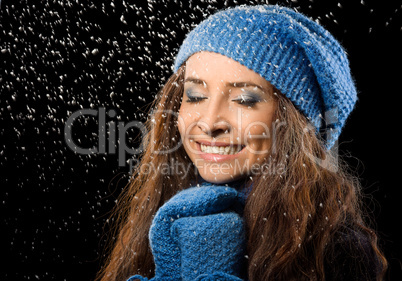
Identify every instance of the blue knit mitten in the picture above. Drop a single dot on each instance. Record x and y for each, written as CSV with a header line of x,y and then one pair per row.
x,y
197,235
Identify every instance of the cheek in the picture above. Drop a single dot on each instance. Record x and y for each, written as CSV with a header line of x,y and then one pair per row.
x,y
181,122
258,134
186,119
257,130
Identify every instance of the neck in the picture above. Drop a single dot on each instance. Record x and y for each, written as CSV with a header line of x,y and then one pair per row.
x,y
241,185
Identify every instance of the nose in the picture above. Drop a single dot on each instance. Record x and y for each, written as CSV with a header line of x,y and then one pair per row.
x,y
214,129
214,121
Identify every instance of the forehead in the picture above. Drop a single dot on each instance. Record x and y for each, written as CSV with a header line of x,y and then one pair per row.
x,y
217,67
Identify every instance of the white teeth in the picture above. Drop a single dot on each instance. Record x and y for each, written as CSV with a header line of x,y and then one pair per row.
x,y
225,150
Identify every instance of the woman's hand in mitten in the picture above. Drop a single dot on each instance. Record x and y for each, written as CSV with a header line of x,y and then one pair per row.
x,y
211,247
194,233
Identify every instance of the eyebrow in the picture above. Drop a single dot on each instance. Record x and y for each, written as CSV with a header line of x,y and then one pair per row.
x,y
229,84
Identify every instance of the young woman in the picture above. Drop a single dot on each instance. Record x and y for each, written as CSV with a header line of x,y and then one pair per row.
x,y
258,99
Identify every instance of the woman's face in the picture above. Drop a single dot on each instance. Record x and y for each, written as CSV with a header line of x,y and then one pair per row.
x,y
225,118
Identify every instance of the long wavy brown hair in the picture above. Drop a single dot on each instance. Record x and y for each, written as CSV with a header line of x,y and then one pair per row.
x,y
294,219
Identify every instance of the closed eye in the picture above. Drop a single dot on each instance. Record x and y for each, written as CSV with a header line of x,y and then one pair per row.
x,y
250,102
195,99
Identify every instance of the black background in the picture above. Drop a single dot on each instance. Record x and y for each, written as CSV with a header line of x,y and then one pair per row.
x,y
61,56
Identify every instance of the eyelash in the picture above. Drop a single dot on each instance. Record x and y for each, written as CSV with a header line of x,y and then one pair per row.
x,y
195,99
245,102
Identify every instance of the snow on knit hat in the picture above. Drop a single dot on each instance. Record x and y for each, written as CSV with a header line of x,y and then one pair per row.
x,y
295,54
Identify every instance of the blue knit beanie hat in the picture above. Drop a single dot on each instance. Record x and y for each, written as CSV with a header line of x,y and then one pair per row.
x,y
295,54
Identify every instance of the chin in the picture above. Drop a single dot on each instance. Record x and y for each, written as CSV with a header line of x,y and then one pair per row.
x,y
221,179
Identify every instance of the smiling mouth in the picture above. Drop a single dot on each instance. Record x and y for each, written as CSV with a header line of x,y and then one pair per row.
x,y
221,149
